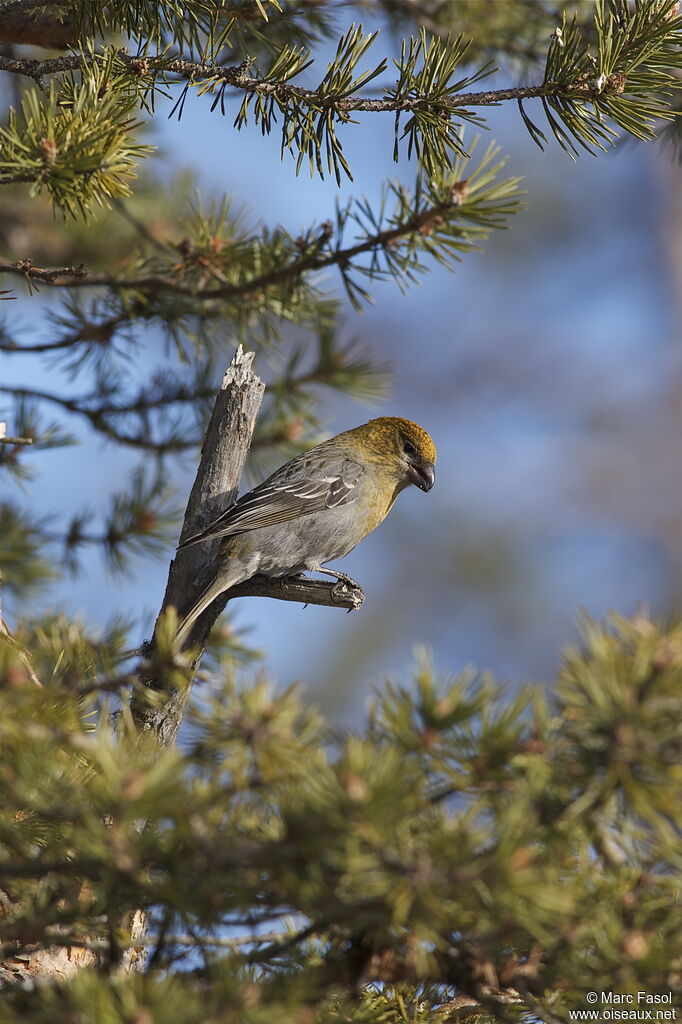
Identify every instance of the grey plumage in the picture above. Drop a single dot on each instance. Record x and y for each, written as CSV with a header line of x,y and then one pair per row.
x,y
310,482
302,507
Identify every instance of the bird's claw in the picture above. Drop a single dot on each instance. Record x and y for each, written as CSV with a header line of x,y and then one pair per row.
x,y
339,592
340,577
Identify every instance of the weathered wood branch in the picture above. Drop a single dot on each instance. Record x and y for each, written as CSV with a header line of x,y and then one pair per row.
x,y
223,455
302,590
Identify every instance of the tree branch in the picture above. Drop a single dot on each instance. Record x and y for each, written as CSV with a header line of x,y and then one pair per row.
x,y
235,76
302,590
223,454
97,419
91,333
30,273
275,276
20,178
224,451
15,440
100,417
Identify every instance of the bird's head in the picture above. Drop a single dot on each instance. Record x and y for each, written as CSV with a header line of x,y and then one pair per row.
x,y
410,447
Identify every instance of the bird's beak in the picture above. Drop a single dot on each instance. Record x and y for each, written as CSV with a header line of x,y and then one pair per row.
x,y
422,475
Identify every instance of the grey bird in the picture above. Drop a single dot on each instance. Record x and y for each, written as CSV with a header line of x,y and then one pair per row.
x,y
315,508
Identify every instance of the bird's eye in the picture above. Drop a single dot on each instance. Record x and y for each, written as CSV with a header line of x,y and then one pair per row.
x,y
409,448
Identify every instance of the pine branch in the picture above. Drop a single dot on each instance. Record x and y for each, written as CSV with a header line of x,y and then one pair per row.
x,y
491,905
628,84
89,334
19,178
97,419
99,415
585,98
236,77
414,225
30,273
75,140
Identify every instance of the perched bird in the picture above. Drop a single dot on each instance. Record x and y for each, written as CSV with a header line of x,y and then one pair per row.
x,y
316,507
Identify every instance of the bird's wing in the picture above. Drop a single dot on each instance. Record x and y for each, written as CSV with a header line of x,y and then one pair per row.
x,y
306,484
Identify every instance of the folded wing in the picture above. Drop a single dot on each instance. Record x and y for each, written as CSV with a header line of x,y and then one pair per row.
x,y
305,485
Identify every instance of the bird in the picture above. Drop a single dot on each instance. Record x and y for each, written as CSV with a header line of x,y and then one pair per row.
x,y
315,508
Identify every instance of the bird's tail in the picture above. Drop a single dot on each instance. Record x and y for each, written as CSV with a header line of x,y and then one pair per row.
x,y
216,586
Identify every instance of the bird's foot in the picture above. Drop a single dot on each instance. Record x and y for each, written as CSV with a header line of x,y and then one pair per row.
x,y
340,577
343,581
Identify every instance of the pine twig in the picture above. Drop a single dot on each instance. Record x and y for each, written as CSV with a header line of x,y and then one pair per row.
x,y
25,268
235,76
